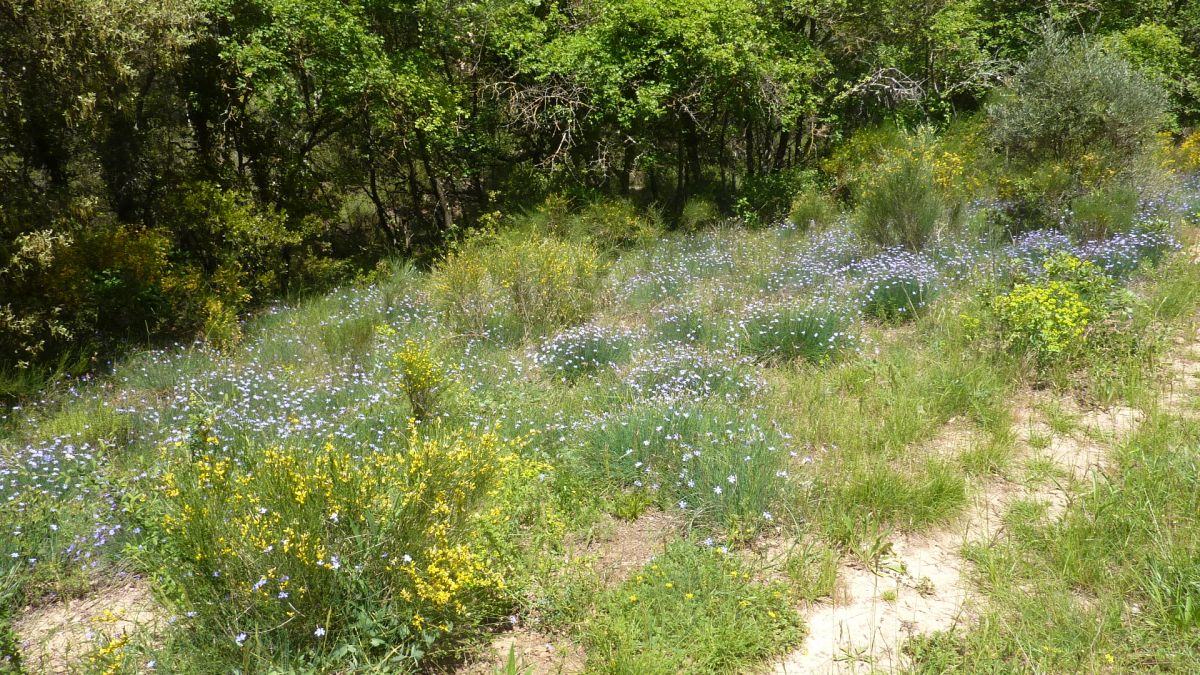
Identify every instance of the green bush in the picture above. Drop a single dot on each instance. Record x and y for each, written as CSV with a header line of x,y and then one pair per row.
x,y
88,281
1072,117
765,198
698,213
812,208
1072,97
493,285
900,205
611,224
1103,213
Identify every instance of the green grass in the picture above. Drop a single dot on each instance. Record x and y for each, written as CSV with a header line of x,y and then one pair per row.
x,y
692,610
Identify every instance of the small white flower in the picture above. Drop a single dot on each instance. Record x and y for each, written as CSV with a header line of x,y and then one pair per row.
x,y
717,489
731,478
241,638
319,632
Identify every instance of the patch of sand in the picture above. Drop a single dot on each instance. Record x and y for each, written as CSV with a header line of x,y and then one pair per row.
x,y
54,637
618,547
532,652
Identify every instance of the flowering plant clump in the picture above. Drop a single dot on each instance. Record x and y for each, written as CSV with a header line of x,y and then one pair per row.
x,y
716,466
383,548
422,377
821,258
1122,254
584,350
1049,315
683,373
1045,318
785,331
681,323
896,285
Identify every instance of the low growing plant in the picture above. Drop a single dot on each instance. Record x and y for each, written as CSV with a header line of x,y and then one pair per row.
x,y
814,332
691,610
584,350
336,552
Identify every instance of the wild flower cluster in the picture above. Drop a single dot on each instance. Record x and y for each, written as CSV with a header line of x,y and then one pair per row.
x,y
422,377
1121,255
302,538
820,260
783,331
685,323
671,269
897,284
583,350
1048,316
683,373
59,505
721,468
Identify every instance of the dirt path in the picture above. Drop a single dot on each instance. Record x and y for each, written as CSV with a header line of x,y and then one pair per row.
x,y
922,585
54,638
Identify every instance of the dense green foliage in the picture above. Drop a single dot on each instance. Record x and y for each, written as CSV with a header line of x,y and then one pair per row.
x,y
165,167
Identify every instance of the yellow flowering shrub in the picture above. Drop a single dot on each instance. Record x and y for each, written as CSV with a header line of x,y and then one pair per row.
x,y
1183,156
1047,318
1050,316
333,544
421,376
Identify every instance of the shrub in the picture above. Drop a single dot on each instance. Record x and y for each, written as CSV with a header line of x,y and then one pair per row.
x,y
786,331
691,610
766,197
611,224
583,351
1104,212
698,213
1071,98
900,205
812,208
422,377
336,551
1049,316
550,282
468,296
1046,319
491,285
1075,115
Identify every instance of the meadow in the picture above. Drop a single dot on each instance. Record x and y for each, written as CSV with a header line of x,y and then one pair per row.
x,y
709,451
